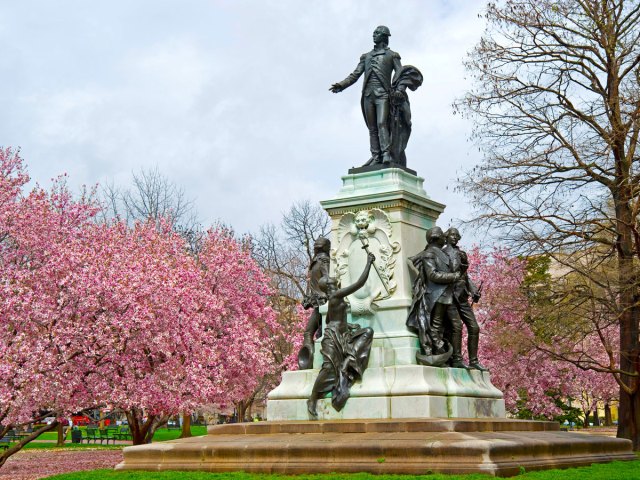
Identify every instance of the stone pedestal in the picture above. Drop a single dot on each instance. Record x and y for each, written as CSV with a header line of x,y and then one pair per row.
x,y
497,447
410,213
397,213
401,391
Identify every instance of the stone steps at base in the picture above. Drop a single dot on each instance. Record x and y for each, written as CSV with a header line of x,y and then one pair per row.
x,y
406,447
385,425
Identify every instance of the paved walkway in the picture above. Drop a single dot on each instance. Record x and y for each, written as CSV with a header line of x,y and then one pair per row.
x,y
607,431
35,464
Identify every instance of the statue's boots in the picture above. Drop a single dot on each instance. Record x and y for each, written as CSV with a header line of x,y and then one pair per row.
x,y
386,158
305,355
456,358
472,344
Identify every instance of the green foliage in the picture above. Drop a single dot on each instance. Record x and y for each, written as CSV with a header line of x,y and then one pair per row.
x,y
569,414
537,275
617,470
538,290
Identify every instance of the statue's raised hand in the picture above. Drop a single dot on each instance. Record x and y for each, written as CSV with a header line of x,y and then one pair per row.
x,y
371,258
336,88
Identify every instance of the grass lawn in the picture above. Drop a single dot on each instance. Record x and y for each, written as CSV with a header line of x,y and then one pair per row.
x,y
163,434
609,471
48,439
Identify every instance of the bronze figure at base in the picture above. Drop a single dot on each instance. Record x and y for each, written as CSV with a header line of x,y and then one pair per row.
x,y
345,347
313,299
440,305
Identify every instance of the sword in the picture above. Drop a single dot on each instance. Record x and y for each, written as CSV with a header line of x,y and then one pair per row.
x,y
365,245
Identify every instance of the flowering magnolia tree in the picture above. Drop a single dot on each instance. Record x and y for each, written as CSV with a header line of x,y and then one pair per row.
x,y
42,240
168,332
516,369
105,314
520,354
249,325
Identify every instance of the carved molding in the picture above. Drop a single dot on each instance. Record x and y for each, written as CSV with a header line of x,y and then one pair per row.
x,y
388,205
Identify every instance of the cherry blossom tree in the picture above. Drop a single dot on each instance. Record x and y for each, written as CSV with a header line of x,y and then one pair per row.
x,y
41,244
109,314
522,373
523,358
589,388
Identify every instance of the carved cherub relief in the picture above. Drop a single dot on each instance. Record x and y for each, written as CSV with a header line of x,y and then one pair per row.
x,y
373,228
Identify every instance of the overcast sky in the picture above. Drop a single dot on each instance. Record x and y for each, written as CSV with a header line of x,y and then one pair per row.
x,y
229,99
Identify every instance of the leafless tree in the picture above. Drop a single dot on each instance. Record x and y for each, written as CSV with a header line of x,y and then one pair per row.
x,y
285,252
152,196
556,108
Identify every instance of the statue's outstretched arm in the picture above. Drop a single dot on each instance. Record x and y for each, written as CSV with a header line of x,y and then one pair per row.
x,y
351,79
343,292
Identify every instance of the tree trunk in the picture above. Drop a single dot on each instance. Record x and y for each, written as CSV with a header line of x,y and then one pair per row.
x,y
141,430
629,280
596,419
629,417
61,435
156,423
17,446
608,421
585,424
186,426
241,408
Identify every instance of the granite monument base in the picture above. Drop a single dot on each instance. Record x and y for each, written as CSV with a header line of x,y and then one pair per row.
x,y
498,447
398,391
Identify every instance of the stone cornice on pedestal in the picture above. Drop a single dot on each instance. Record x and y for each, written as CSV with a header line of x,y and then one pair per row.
x,y
391,188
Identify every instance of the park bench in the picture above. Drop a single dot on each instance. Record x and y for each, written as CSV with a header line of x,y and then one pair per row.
x,y
5,443
13,436
90,435
10,437
107,434
123,434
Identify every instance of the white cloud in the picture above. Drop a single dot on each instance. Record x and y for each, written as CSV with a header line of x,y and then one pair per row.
x,y
229,99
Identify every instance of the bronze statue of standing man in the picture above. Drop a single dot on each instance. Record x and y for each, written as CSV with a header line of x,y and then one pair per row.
x,y
385,104
462,290
433,302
